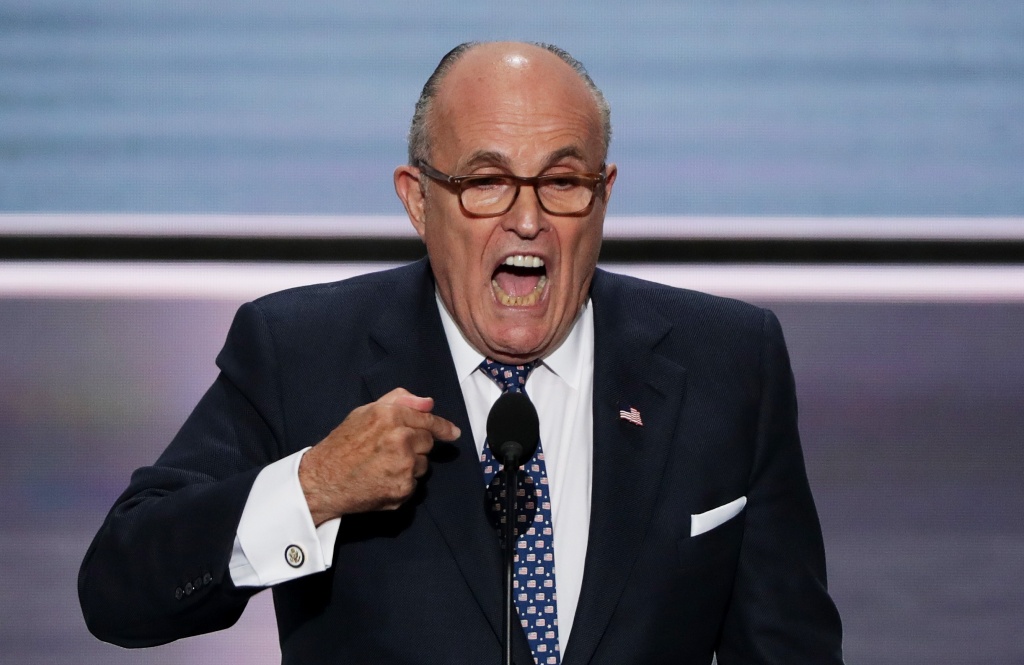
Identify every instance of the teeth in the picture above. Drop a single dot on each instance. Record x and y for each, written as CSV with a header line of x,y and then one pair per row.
x,y
520,301
524,261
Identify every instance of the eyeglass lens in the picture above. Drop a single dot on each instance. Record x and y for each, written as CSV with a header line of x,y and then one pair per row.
x,y
486,196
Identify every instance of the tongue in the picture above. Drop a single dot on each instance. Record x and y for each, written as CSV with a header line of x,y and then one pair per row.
x,y
516,283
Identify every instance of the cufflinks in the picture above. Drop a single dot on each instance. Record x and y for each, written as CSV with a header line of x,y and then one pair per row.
x,y
294,555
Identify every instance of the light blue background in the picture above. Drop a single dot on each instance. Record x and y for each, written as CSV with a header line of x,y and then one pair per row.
x,y
809,108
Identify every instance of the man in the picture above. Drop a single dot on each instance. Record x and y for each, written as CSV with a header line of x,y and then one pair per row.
x,y
674,519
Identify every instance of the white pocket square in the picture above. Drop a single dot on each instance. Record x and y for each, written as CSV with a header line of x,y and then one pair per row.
x,y
705,522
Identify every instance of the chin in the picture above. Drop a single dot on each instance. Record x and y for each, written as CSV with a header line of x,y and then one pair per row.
x,y
519,344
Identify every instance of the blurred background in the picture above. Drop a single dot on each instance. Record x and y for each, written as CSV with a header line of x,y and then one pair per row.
x,y
857,167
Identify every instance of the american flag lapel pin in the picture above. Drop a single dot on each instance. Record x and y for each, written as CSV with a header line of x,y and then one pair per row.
x,y
630,414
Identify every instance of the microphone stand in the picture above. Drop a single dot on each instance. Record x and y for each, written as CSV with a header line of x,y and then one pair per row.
x,y
512,435
509,469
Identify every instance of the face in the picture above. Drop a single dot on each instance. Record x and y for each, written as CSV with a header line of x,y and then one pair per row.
x,y
510,108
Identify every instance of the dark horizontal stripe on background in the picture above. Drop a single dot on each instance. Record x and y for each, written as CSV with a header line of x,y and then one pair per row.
x,y
648,250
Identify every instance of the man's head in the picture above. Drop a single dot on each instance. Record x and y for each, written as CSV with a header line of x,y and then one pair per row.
x,y
509,109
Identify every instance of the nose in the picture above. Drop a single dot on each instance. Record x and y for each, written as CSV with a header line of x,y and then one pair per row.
x,y
526,218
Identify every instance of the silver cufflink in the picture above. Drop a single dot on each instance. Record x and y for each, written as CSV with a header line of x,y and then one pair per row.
x,y
294,555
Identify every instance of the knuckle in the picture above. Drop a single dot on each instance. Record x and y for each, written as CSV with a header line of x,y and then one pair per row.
x,y
399,492
406,466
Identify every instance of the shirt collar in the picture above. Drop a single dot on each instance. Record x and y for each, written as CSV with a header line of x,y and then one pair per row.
x,y
466,358
565,361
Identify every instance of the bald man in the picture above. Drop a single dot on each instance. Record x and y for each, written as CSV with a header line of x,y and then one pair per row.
x,y
339,458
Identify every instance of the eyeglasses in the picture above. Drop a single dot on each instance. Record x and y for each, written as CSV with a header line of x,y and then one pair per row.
x,y
494,194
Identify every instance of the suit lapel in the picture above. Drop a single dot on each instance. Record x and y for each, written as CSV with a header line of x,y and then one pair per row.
x,y
628,459
414,354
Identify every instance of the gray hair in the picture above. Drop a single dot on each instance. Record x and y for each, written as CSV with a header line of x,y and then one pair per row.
x,y
419,132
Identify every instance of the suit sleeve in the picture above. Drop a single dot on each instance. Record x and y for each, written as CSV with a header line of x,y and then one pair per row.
x,y
158,569
780,610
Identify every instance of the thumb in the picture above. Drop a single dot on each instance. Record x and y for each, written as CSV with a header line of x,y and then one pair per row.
x,y
402,397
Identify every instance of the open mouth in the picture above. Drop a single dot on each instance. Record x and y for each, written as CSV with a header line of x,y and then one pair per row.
x,y
520,280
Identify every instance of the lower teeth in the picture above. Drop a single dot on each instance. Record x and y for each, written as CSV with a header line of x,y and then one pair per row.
x,y
520,301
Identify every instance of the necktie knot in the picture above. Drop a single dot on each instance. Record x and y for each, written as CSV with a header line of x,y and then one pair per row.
x,y
510,378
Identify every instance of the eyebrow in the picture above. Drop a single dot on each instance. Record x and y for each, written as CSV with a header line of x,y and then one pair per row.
x,y
485,158
567,151
492,158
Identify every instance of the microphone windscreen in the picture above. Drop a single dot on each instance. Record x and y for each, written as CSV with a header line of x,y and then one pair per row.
x,y
513,418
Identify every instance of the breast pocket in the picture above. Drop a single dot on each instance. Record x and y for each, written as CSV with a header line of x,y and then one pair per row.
x,y
715,549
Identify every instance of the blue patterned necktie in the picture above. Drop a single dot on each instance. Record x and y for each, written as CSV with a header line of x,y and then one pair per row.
x,y
534,583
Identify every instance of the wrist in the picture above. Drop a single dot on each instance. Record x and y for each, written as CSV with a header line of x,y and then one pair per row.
x,y
311,481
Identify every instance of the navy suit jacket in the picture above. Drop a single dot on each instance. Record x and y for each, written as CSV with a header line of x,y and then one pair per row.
x,y
422,584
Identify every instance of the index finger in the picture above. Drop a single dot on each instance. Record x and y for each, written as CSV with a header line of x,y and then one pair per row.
x,y
439,428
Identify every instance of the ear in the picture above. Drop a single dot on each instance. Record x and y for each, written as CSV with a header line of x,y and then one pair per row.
x,y
609,180
408,188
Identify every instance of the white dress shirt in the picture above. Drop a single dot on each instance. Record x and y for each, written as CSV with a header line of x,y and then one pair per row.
x,y
276,516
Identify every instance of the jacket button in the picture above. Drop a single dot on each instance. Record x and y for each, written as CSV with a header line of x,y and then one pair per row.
x,y
178,593
207,578
188,589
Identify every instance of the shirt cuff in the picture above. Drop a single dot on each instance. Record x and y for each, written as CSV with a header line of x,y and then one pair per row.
x,y
276,540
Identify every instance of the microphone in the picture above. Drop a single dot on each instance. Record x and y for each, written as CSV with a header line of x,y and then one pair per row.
x,y
513,429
